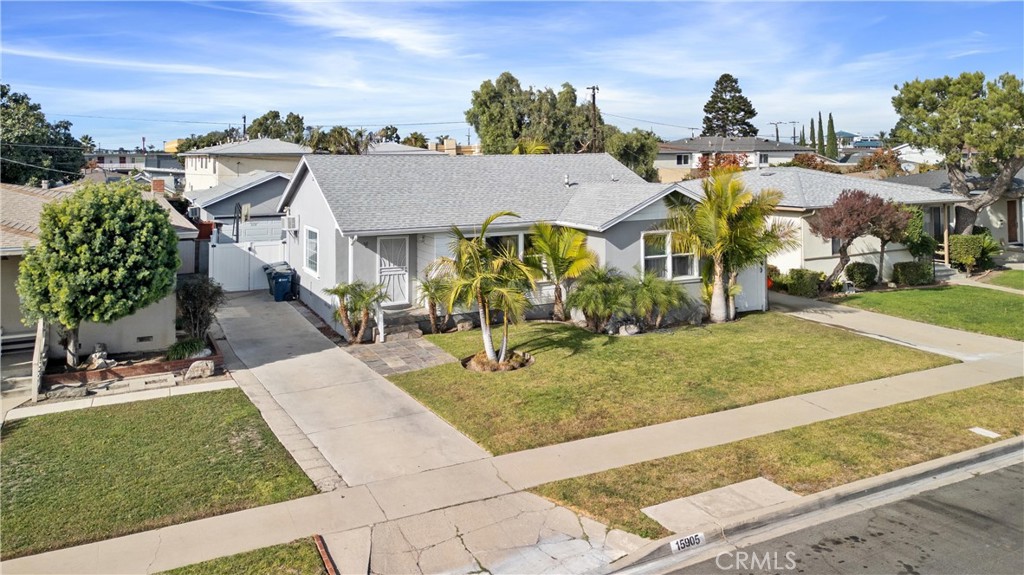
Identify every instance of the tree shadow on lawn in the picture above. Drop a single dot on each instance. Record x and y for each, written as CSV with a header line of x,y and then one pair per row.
x,y
563,337
9,428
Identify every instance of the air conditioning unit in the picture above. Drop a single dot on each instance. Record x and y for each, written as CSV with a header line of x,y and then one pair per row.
x,y
290,223
193,212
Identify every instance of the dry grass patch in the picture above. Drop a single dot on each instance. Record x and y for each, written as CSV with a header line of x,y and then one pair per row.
x,y
805,459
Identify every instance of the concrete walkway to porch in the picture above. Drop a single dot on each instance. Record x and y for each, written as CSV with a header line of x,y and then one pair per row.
x,y
328,392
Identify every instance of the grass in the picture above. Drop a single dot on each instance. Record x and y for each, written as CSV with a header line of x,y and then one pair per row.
x,y
1008,278
975,309
80,476
805,459
584,384
296,558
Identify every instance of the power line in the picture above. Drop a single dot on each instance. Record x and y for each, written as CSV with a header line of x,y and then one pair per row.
x,y
649,121
44,146
40,167
166,121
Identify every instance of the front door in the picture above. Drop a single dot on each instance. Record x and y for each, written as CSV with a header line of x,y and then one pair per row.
x,y
393,268
1012,221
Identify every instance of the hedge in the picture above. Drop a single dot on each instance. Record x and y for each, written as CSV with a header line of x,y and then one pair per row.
x,y
964,251
913,273
862,274
802,282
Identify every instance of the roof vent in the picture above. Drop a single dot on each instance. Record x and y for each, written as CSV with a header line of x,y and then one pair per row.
x,y
767,173
567,180
614,179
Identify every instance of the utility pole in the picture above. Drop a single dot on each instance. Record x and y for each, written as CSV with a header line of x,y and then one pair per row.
x,y
776,124
244,135
593,117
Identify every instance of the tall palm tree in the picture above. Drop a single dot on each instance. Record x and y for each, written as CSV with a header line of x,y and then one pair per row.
x,y
475,272
730,228
560,254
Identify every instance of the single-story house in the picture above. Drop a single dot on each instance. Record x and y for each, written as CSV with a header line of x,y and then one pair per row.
x,y
1004,218
383,219
244,209
676,159
148,329
805,191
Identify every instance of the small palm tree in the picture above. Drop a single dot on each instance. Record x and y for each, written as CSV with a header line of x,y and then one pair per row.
x,y
433,290
653,296
476,271
560,255
530,146
356,299
601,293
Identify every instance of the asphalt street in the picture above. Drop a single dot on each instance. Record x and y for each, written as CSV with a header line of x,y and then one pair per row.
x,y
974,526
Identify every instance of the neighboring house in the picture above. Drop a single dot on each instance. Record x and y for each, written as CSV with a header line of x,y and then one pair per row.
x,y
384,219
453,148
845,138
210,167
912,158
244,209
1004,218
806,191
678,158
148,329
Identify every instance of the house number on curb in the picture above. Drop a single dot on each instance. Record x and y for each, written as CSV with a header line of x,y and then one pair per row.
x,y
688,542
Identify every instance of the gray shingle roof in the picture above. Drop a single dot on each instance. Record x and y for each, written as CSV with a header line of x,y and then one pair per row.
x,y
257,147
811,189
229,188
19,219
390,193
396,148
729,145
938,180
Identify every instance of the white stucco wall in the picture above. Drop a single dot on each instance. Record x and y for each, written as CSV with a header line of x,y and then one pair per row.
x,y
10,304
149,329
205,172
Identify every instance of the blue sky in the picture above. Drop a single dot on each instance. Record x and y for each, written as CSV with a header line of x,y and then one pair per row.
x,y
168,69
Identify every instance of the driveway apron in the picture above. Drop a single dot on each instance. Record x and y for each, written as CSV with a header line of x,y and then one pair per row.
x,y
367,428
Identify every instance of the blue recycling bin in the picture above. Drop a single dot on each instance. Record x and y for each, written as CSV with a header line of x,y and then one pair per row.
x,y
280,277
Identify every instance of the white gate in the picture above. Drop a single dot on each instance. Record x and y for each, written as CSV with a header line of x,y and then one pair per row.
x,y
239,267
754,296
393,268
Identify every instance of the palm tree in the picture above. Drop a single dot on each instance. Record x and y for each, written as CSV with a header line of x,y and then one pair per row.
x,y
654,295
560,254
433,290
354,298
475,272
730,228
339,140
509,296
601,293
531,146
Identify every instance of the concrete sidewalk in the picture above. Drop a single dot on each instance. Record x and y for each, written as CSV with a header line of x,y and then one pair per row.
x,y
973,283
330,394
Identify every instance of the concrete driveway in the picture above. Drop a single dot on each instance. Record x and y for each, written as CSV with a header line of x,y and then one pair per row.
x,y
367,428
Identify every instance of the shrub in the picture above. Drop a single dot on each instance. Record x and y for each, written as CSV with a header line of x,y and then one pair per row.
x,y
862,274
989,249
803,283
600,294
185,348
916,273
918,242
776,279
813,162
964,251
198,299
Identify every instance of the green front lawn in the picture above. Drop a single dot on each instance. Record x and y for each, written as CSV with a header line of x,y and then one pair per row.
x,y
980,310
296,558
805,459
583,384
80,476
1008,278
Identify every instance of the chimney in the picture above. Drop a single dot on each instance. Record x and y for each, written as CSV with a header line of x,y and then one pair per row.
x,y
158,186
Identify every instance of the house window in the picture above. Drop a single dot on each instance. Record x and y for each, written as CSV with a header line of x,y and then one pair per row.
x,y
312,252
501,243
762,158
215,167
682,159
835,245
659,258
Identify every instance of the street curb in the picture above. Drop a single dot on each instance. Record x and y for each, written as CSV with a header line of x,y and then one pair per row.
x,y
736,527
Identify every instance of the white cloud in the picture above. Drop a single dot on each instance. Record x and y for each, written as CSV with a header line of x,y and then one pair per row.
x,y
137,65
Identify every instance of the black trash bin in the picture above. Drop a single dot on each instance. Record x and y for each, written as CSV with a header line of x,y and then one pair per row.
x,y
282,285
271,269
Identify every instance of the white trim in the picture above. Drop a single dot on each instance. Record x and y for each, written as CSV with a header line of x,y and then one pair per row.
x,y
305,250
408,276
669,255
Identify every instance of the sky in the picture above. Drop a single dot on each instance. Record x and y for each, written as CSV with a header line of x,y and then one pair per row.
x,y
121,71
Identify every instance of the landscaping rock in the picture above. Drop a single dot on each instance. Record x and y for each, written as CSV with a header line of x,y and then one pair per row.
x,y
205,352
66,391
463,325
629,329
199,369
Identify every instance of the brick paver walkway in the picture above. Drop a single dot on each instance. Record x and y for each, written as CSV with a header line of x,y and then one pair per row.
x,y
400,356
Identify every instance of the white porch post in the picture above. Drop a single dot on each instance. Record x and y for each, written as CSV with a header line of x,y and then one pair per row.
x,y
945,234
380,324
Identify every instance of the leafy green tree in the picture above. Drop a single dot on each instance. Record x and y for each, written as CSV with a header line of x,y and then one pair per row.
x,y
212,138
820,147
356,301
853,215
31,148
831,143
481,276
954,115
104,253
503,113
600,294
654,296
198,299
730,228
560,255
415,139
916,238
637,150
728,112
388,134
270,125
